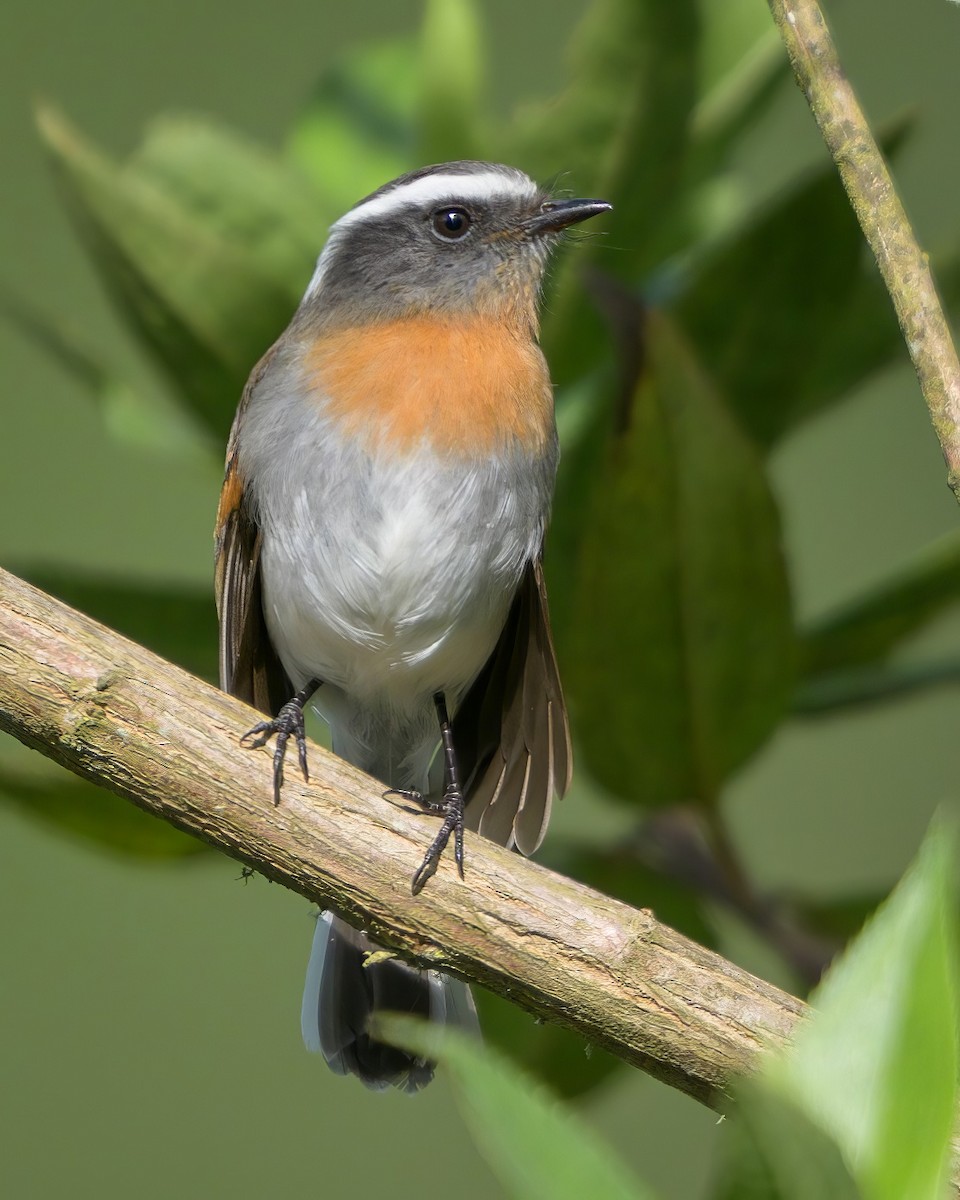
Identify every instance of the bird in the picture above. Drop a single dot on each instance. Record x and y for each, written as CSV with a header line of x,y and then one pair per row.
x,y
379,540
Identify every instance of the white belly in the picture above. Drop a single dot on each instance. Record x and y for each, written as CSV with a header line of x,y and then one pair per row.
x,y
398,592
388,579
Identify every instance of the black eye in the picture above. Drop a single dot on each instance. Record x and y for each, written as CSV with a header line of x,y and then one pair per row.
x,y
451,223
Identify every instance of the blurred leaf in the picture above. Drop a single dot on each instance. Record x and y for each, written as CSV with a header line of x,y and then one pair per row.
x,y
743,65
866,337
745,70
359,129
563,1060
73,805
584,423
761,306
678,658
619,130
203,305
619,133
451,78
723,117
178,623
149,424
241,192
734,33
840,917
772,1151
535,1147
876,1062
870,627
829,693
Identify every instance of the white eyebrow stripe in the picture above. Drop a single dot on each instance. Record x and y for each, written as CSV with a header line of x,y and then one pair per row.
x,y
439,189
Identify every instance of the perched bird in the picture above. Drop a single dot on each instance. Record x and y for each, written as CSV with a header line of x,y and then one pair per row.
x,y
378,545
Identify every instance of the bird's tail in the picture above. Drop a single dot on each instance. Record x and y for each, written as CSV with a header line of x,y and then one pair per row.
x,y
343,990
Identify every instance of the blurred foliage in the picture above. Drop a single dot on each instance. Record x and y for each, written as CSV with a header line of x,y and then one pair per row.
x,y
681,536
538,1150
863,1102
81,809
860,1106
696,335
877,1062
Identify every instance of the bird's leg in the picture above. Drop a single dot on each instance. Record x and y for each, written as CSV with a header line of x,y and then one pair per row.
x,y
286,724
451,804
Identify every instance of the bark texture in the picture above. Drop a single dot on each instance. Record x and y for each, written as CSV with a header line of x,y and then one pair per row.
x,y
118,715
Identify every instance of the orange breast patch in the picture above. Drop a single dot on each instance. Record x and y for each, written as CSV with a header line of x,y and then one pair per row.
x,y
464,386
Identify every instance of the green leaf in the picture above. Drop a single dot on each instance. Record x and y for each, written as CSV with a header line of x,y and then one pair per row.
x,y
876,1062
77,807
149,423
560,1058
735,34
763,305
772,1151
620,128
866,337
244,194
618,132
535,1147
839,917
866,630
584,424
205,306
178,623
736,103
833,691
359,129
743,65
451,79
678,658
745,70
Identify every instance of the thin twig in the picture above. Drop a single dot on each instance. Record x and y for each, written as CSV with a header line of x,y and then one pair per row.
x,y
903,265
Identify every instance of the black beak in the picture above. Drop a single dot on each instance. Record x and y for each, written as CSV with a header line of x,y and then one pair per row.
x,y
555,215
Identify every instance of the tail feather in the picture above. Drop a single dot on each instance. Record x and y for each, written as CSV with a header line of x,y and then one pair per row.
x,y
342,993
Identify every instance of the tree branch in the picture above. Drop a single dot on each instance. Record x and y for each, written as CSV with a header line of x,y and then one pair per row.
x,y
122,717
903,265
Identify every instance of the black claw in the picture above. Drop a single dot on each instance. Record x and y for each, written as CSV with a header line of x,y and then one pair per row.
x,y
458,843
421,877
451,806
408,794
265,727
286,724
302,755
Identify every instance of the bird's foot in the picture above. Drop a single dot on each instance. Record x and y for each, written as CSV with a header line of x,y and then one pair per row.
x,y
286,724
451,806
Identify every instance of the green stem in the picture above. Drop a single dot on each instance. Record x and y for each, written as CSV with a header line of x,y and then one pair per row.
x,y
727,856
903,265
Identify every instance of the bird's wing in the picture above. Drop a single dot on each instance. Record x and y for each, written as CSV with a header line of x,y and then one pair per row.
x,y
511,731
249,667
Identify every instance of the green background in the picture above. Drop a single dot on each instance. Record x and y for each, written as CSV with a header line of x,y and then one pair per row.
x,y
148,1015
